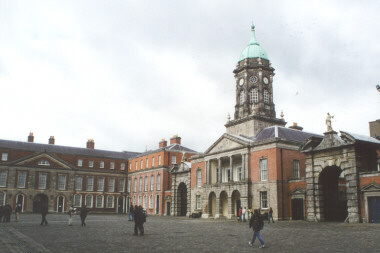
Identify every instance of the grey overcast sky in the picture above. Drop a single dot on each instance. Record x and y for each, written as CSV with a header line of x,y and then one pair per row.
x,y
129,73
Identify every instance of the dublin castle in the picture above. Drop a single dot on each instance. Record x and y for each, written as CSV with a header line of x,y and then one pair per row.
x,y
257,163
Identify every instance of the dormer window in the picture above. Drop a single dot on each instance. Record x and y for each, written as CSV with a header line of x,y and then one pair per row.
x,y
44,163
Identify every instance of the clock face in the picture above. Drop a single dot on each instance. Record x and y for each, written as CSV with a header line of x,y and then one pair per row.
x,y
253,79
241,81
265,80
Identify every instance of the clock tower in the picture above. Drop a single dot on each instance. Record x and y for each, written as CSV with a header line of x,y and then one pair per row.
x,y
254,109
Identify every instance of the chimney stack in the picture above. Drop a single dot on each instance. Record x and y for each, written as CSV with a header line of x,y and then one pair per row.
x,y
296,127
91,144
30,137
175,139
51,140
163,143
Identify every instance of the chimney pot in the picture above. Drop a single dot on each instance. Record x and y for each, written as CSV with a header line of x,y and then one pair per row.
x,y
51,140
163,143
91,144
175,139
30,137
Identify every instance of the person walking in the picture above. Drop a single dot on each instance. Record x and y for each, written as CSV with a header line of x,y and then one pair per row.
x,y
17,212
244,212
270,214
131,211
44,212
139,220
71,213
83,214
239,214
257,224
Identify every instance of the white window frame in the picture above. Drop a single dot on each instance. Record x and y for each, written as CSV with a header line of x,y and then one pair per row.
x,y
174,159
86,202
147,163
122,166
152,182
111,184
112,165
199,177
62,185
80,163
21,179
153,161
296,169
44,163
158,184
146,183
139,200
122,185
42,181
130,166
3,179
151,202
100,184
263,167
198,202
78,183
137,165
135,185
141,164
140,184
101,164
129,185
264,200
99,201
4,157
77,197
90,187
159,160
90,164
110,202
145,202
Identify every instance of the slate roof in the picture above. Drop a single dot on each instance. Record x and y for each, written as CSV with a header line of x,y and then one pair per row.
x,y
174,147
49,148
363,138
283,133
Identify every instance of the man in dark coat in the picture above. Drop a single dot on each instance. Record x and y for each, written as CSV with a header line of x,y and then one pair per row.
x,y
139,220
44,212
83,214
257,224
7,212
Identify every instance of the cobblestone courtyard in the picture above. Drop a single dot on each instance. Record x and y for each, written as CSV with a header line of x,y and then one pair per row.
x,y
113,233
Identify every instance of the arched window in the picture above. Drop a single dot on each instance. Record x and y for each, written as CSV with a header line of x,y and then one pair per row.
x,y
99,201
253,96
151,202
89,200
146,183
266,97
199,178
158,185
77,200
242,97
151,182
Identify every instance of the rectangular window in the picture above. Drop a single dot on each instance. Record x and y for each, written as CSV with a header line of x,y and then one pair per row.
x,y
151,182
112,165
101,164
78,183
130,166
3,179
62,182
158,182
4,157
136,166
42,180
147,163
80,162
152,161
264,200
296,169
100,187
150,202
121,185
159,160
135,185
99,201
141,164
198,202
140,184
239,174
90,184
88,202
129,185
110,200
174,159
122,166
145,202
77,200
111,184
91,164
146,183
21,180
199,178
263,169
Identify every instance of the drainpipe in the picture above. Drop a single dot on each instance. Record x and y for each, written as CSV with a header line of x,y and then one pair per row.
x,y
282,187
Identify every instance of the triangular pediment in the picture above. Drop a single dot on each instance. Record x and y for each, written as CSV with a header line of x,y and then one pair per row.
x,y
42,160
296,191
228,142
373,187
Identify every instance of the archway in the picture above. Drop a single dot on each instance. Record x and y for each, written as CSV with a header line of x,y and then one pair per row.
x,y
20,201
60,204
38,201
223,204
120,205
182,199
236,203
212,204
333,203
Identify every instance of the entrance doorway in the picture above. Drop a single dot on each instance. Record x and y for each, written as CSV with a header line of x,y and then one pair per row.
x,y
374,209
182,200
224,203
236,203
333,190
212,204
168,208
60,204
120,205
20,201
297,209
38,201
157,204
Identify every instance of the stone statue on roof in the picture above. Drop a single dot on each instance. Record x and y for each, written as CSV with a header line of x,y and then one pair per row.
x,y
328,122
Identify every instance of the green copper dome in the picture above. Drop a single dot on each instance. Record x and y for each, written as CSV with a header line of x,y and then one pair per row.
x,y
253,50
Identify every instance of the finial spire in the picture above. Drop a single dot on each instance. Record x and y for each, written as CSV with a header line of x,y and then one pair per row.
x,y
253,40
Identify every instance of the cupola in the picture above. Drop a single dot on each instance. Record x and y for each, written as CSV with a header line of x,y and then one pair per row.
x,y
253,49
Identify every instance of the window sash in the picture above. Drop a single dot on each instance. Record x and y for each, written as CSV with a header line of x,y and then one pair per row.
x,y
198,202
112,165
159,160
21,180
122,166
129,185
100,184
110,201
146,184
121,185
152,183
78,183
242,97
90,184
135,185
263,169
296,168
139,200
62,182
77,200
264,199
99,201
4,157
111,184
158,182
90,164
144,202
266,97
152,161
140,184
101,164
3,179
42,180
147,163
89,200
174,159
199,178
80,162
151,201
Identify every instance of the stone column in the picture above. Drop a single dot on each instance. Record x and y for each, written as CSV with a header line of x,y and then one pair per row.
x,y
217,207
231,168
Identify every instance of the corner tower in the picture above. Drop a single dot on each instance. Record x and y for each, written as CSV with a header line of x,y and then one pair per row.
x,y
254,109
